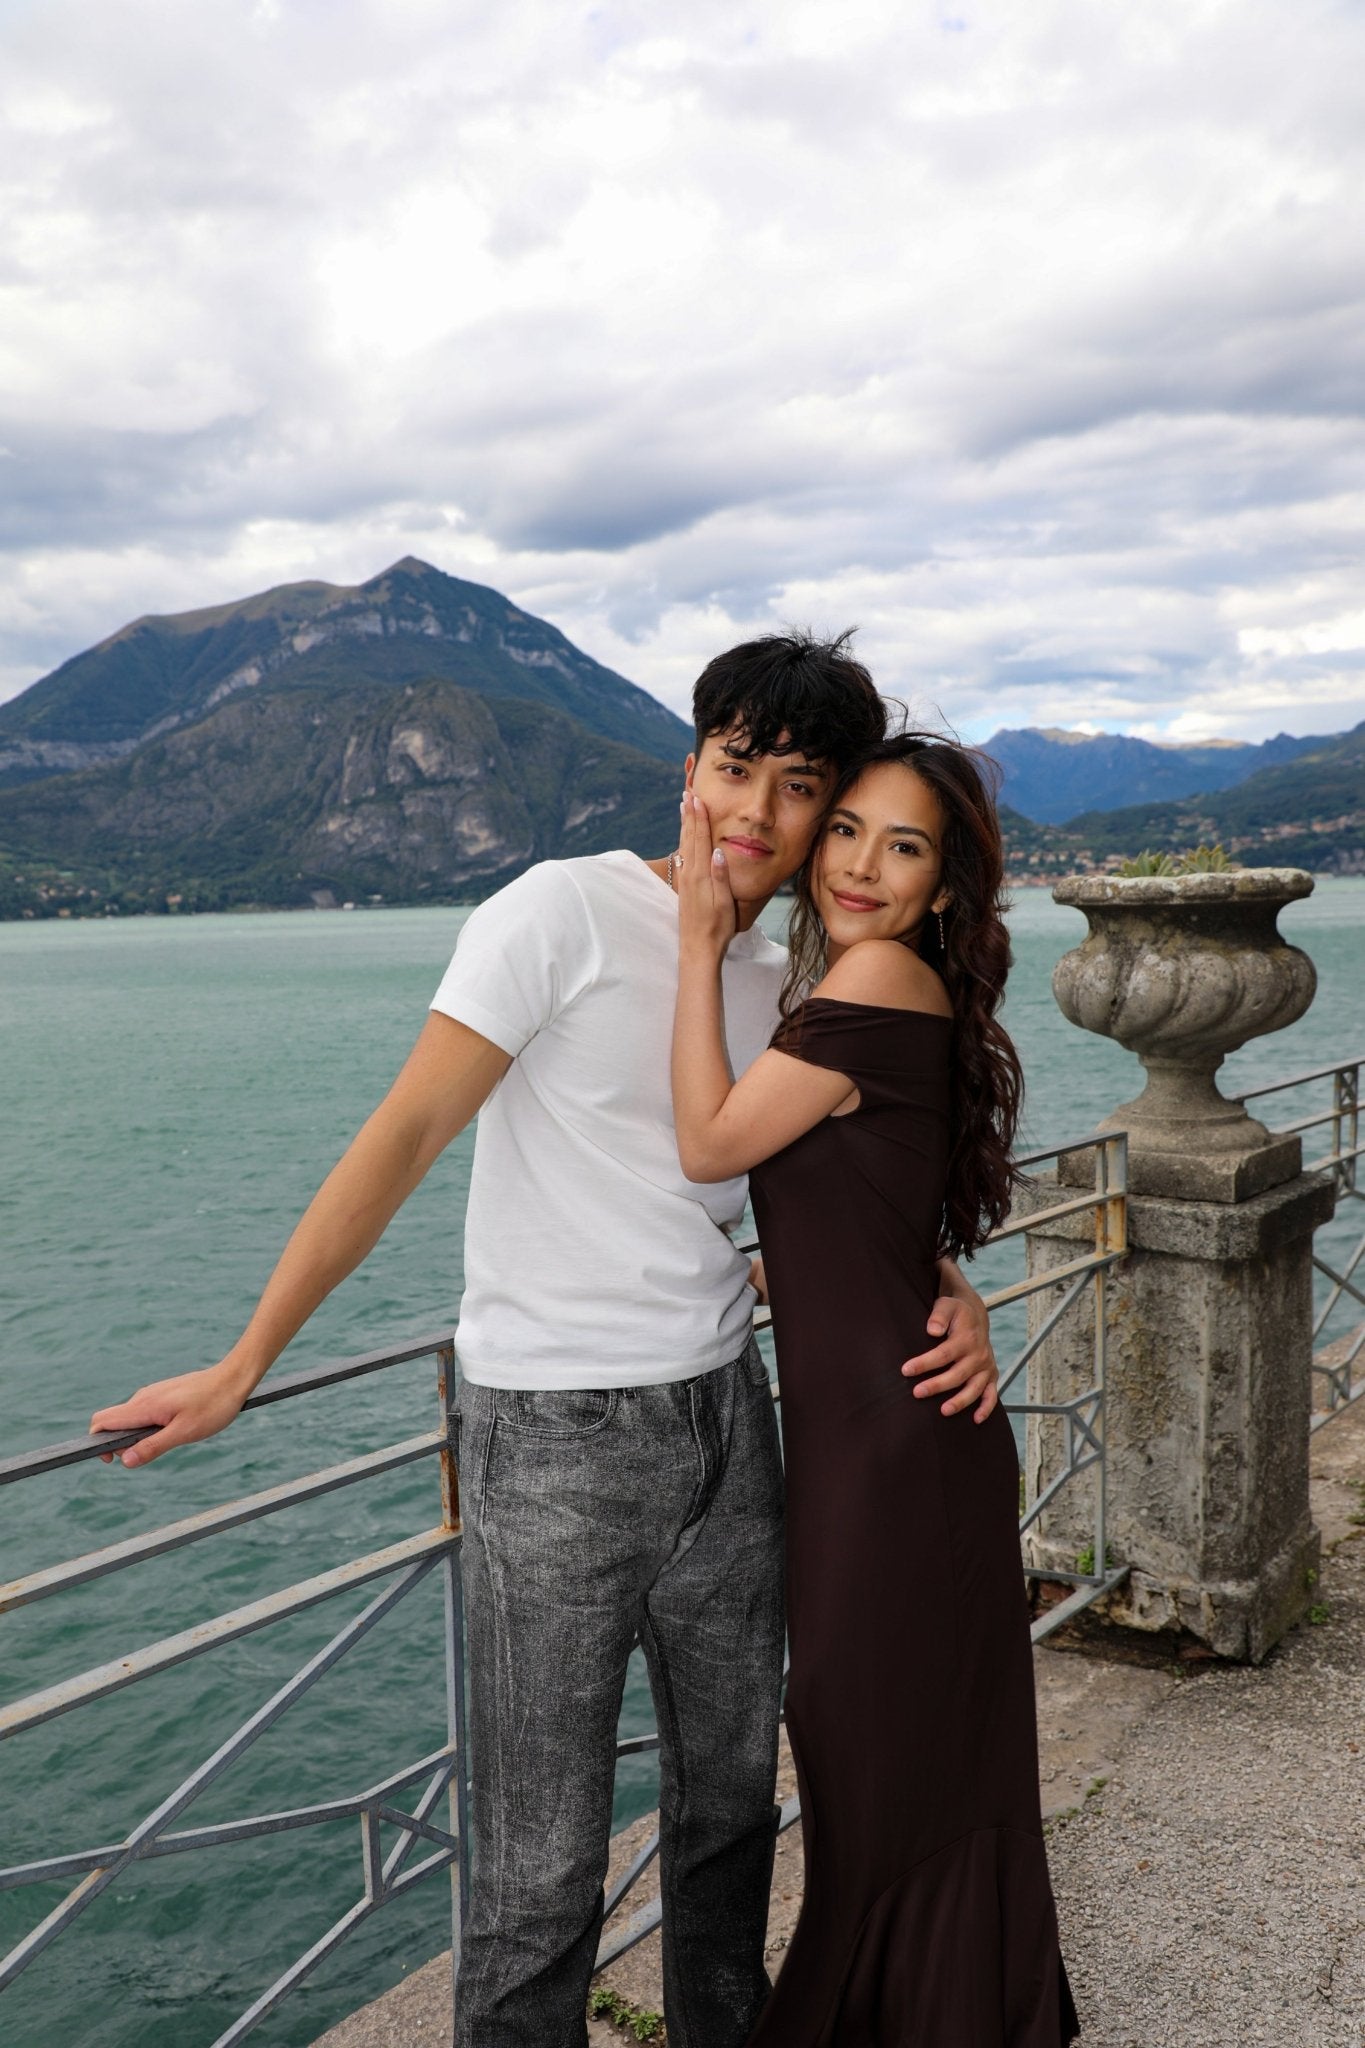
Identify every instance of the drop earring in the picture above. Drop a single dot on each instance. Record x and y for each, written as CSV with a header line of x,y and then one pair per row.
x,y
942,942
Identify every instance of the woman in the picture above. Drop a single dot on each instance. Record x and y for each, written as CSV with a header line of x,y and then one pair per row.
x,y
877,1130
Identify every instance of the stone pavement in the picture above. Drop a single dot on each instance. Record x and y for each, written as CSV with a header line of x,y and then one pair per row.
x,y
1212,1894
1206,1832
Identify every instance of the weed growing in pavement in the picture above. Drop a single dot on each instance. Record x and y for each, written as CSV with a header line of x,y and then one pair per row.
x,y
605,2004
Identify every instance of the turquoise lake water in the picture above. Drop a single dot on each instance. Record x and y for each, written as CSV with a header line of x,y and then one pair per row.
x,y
171,1092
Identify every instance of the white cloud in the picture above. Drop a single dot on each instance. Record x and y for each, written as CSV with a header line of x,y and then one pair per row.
x,y
1030,339
1341,635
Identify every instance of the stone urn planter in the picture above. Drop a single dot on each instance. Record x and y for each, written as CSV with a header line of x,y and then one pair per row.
x,y
1182,969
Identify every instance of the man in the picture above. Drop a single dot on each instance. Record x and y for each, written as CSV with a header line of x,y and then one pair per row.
x,y
619,1463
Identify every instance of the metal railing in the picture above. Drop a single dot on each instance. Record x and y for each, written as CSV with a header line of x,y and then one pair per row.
x,y
444,1772
1334,1360
402,1566
1084,1283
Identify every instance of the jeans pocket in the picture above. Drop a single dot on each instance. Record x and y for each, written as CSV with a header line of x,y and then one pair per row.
x,y
557,1411
755,1367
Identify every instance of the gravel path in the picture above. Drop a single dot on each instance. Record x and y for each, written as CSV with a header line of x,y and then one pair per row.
x,y
1212,1895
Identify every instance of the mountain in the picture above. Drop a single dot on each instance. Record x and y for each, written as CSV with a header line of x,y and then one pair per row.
x,y
418,738
411,793
1309,812
410,624
1051,774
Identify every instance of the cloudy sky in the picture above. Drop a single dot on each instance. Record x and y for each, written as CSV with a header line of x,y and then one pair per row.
x,y
1027,338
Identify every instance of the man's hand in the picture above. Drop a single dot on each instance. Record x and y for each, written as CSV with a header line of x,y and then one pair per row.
x,y
964,1364
182,1410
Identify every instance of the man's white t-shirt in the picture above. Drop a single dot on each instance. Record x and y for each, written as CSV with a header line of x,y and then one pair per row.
x,y
590,1259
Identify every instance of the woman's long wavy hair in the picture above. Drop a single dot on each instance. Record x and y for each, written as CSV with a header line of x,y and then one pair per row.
x,y
972,955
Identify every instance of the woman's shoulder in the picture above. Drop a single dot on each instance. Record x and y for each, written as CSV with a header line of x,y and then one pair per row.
x,y
884,974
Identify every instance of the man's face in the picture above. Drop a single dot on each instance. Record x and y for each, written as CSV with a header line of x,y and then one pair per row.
x,y
764,813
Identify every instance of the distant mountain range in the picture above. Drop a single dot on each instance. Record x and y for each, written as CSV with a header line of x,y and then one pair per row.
x,y
1052,775
1309,812
418,738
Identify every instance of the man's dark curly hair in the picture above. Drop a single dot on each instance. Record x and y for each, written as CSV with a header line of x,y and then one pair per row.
x,y
790,693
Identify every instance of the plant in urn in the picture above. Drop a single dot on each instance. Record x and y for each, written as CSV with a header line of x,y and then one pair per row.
x,y
1182,969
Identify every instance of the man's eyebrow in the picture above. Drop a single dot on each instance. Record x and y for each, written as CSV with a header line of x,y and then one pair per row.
x,y
792,767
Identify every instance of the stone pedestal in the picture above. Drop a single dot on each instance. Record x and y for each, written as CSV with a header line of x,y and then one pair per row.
x,y
1183,969
1208,1372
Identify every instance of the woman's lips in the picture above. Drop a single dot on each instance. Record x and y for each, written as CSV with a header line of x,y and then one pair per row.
x,y
854,902
754,848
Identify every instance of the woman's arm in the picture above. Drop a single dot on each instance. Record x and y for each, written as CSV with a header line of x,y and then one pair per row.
x,y
726,1127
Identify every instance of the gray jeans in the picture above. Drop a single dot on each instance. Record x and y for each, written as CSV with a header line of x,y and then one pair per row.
x,y
593,1519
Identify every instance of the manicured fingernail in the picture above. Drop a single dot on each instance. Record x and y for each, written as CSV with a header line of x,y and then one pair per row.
x,y
718,859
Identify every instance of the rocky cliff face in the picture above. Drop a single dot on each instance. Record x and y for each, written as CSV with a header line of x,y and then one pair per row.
x,y
420,791
409,624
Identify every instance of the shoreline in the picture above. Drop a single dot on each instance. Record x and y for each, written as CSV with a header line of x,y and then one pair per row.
x,y
68,913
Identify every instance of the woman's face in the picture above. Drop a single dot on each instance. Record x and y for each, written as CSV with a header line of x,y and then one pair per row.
x,y
879,866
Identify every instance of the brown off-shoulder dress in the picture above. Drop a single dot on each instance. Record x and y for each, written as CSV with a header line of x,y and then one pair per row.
x,y
928,1919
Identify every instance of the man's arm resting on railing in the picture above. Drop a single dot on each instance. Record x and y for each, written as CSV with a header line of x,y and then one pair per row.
x,y
448,1076
964,1363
